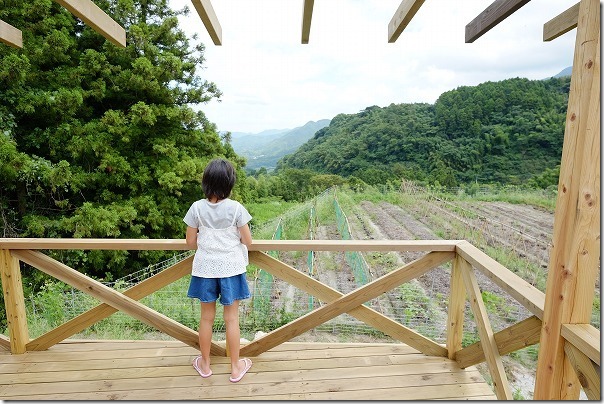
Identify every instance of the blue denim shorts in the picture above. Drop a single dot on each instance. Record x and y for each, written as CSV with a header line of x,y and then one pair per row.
x,y
229,289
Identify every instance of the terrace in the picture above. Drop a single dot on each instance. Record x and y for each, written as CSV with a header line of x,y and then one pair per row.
x,y
54,367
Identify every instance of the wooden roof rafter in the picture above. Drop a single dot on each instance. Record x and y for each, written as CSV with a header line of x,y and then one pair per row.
x,y
10,35
210,20
306,19
402,17
85,10
498,11
561,24
97,19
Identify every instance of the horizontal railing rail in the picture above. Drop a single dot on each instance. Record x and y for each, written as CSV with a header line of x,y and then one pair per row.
x,y
257,245
582,339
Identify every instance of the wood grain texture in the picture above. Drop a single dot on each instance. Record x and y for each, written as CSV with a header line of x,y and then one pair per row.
x,y
210,20
585,337
402,17
14,301
515,337
561,24
257,245
347,302
588,373
161,370
457,300
487,339
576,240
525,293
498,11
10,35
103,310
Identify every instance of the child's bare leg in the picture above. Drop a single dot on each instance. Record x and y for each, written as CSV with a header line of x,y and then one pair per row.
x,y
208,313
231,321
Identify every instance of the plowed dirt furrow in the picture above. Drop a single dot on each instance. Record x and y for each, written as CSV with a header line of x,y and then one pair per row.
x,y
363,228
395,223
436,282
493,231
418,229
539,228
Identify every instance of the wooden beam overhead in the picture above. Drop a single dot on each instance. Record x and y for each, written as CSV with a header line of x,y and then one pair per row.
x,y
10,35
96,19
402,17
561,24
307,19
498,11
210,21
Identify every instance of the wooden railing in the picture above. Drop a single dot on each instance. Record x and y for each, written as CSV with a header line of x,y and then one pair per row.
x,y
582,340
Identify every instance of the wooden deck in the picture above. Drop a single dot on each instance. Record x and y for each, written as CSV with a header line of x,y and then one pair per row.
x,y
161,370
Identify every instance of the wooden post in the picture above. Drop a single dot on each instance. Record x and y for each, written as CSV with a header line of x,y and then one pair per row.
x,y
14,302
457,300
575,255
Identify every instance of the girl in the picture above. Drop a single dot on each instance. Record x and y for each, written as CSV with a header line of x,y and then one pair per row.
x,y
218,230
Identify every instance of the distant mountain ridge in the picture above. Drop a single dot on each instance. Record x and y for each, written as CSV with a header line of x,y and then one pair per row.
x,y
565,72
265,148
508,132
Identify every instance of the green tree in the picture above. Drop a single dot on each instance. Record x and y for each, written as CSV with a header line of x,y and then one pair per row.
x,y
102,141
506,132
547,179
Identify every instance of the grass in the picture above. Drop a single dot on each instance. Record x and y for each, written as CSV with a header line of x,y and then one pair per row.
x,y
381,259
266,215
538,198
266,211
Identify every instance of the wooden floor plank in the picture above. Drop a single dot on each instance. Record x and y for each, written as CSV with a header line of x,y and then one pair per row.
x,y
184,368
142,370
273,365
219,385
181,349
320,392
263,368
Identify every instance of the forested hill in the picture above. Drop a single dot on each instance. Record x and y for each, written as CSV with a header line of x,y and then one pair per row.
x,y
507,132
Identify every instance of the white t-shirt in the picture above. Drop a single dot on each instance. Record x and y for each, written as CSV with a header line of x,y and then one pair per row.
x,y
217,215
220,253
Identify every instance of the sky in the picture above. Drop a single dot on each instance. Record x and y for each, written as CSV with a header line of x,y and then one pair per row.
x,y
270,80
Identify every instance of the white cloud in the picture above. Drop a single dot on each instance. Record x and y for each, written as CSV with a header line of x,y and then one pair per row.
x,y
271,81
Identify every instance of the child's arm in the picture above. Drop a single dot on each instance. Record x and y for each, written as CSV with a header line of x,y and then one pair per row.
x,y
246,235
192,237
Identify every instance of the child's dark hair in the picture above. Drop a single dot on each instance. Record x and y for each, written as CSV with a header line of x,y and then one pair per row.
x,y
218,179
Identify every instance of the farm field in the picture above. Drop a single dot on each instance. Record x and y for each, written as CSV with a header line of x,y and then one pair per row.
x,y
516,235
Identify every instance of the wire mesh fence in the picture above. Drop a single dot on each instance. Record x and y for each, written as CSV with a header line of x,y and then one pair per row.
x,y
420,304
353,258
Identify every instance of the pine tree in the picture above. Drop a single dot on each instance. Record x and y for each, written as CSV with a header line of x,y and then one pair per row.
x,y
98,140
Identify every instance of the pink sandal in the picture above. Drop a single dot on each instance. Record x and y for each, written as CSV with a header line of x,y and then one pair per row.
x,y
198,368
248,365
